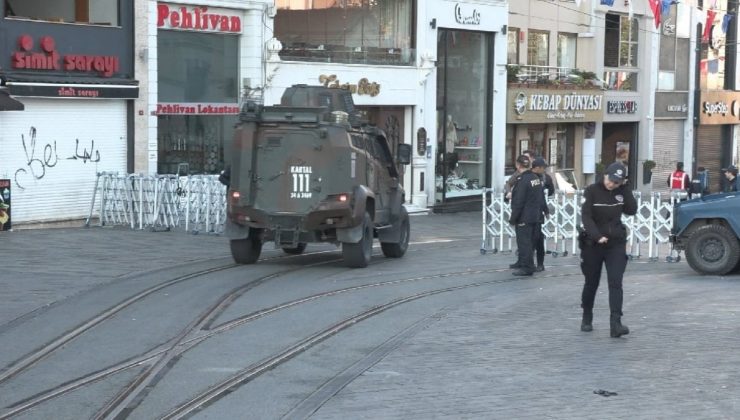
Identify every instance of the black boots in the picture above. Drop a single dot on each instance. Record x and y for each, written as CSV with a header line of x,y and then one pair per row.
x,y
617,329
588,317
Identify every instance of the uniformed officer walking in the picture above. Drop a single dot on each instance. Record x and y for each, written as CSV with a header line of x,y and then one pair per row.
x,y
527,201
604,243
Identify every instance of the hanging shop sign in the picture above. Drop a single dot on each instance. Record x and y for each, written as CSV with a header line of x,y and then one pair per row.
x,y
196,109
672,105
547,106
198,18
362,87
47,58
720,107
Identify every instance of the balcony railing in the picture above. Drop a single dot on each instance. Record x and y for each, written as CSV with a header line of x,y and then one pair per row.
x,y
366,55
548,75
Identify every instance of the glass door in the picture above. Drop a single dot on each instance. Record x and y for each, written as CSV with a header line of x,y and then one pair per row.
x,y
463,113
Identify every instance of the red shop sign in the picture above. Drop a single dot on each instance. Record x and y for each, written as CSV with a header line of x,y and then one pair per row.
x,y
197,18
50,59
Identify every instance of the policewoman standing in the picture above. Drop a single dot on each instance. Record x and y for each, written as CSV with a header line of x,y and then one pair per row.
x,y
604,243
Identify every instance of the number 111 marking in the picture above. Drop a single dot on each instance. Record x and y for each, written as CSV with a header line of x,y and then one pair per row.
x,y
301,182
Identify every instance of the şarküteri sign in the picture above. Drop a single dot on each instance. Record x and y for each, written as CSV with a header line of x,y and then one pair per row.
x,y
548,106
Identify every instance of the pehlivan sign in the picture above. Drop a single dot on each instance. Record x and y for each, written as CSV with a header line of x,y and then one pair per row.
x,y
548,106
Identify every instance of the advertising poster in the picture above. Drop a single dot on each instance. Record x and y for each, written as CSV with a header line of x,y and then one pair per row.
x,y
4,204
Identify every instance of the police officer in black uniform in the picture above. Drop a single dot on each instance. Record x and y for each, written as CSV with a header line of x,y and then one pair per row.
x,y
527,201
538,167
603,243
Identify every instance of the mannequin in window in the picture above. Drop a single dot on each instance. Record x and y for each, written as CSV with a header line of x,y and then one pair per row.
x,y
451,134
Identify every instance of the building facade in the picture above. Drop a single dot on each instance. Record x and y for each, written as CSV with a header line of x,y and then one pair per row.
x,y
201,56
430,73
71,66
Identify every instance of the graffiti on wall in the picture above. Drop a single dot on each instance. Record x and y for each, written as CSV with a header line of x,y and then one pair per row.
x,y
39,158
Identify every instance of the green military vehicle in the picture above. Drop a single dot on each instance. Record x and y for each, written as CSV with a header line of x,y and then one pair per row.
x,y
308,170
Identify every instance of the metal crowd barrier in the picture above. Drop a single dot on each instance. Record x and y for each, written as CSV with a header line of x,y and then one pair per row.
x,y
195,203
648,230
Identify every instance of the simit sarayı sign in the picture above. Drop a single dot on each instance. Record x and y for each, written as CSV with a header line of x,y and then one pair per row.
x,y
198,18
48,58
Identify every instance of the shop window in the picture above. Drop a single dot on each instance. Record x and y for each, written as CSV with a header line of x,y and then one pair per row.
x,y
713,52
463,113
350,31
567,50
538,48
512,40
94,12
510,149
621,80
620,52
197,67
203,142
562,147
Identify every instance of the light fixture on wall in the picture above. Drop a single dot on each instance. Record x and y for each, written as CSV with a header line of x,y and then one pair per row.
x,y
433,23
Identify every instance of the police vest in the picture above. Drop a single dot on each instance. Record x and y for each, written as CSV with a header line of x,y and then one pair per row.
x,y
677,180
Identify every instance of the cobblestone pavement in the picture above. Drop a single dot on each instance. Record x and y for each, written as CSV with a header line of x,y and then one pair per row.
x,y
514,353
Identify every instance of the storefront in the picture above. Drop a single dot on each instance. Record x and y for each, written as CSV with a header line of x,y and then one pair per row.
x,y
553,123
64,65
669,141
198,86
422,71
719,113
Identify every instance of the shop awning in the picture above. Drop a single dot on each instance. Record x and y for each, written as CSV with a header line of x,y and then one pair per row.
x,y
9,104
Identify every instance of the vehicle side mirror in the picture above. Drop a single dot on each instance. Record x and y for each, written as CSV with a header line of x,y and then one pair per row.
x,y
403,154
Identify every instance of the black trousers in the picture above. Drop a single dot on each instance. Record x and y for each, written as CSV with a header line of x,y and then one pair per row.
x,y
525,239
593,257
539,245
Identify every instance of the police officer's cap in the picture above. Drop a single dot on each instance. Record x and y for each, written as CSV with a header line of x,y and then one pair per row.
x,y
732,169
539,163
616,172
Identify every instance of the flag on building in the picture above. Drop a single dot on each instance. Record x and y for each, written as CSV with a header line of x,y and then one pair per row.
x,y
726,22
607,2
708,25
656,7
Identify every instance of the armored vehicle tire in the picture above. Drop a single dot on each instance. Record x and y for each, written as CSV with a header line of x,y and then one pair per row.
x,y
713,249
358,255
396,250
295,251
247,251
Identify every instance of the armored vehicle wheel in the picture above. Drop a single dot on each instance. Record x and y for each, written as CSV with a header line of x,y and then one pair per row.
x,y
247,251
358,255
713,249
295,251
396,250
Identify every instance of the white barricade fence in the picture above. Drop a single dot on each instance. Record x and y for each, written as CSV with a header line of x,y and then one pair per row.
x,y
195,203
648,230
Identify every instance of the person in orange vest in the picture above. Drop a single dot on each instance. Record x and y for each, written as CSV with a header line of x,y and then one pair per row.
x,y
679,180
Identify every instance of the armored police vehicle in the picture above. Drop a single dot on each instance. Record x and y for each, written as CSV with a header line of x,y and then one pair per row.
x,y
707,229
309,170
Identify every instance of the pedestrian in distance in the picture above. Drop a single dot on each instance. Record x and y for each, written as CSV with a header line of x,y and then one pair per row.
x,y
527,201
679,180
603,243
733,182
539,165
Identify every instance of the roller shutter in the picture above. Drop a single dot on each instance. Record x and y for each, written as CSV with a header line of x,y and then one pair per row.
x,y
667,150
709,153
53,150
